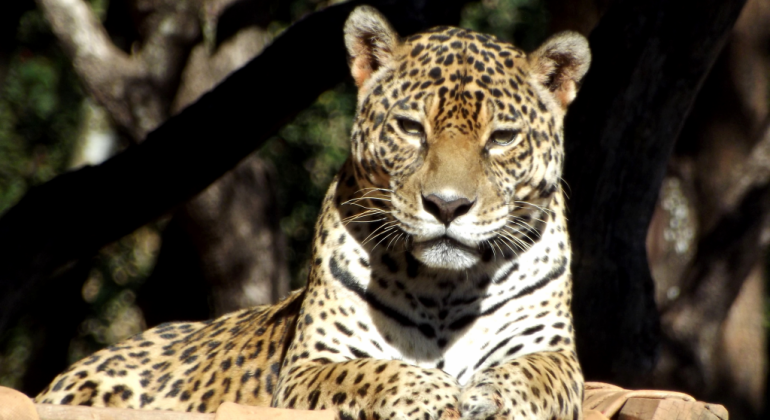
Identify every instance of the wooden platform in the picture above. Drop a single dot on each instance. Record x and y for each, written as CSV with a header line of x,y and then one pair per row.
x,y
605,401
602,402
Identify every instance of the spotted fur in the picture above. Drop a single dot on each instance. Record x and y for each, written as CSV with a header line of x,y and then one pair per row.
x,y
440,283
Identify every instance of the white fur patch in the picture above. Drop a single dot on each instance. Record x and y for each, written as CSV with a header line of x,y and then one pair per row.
x,y
445,253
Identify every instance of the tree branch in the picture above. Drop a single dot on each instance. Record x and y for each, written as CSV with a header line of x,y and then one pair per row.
x,y
103,68
127,85
75,214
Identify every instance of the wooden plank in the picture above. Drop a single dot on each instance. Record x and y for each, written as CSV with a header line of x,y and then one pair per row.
x,y
65,412
661,409
15,406
226,411
232,411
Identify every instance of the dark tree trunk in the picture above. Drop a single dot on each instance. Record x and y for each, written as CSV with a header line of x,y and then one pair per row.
x,y
650,59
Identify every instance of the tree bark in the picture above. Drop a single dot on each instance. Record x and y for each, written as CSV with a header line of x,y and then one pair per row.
x,y
650,59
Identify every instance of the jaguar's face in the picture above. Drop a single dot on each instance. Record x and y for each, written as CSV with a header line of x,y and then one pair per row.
x,y
460,137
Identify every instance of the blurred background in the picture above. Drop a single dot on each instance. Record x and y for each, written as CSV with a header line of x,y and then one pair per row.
x,y
245,240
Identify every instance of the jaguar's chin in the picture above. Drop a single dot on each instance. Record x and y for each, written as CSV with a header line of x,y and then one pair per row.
x,y
445,253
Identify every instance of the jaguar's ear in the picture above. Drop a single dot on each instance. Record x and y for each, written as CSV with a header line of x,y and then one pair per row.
x,y
560,63
370,41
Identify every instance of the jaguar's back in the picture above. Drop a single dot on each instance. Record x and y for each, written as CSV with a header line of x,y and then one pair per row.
x,y
191,366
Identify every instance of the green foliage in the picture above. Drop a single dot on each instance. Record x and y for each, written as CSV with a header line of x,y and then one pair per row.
x,y
14,358
118,271
285,13
39,112
522,22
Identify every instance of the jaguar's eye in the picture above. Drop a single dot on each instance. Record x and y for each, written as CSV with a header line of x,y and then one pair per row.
x,y
411,127
504,137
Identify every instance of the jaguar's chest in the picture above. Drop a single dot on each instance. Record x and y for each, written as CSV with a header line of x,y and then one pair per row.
x,y
383,303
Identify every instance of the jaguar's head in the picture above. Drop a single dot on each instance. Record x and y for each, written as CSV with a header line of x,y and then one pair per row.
x,y
458,136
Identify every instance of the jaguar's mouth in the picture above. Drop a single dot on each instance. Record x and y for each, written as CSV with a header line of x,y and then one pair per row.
x,y
445,252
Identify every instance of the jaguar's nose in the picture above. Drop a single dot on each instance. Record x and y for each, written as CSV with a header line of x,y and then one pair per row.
x,y
446,210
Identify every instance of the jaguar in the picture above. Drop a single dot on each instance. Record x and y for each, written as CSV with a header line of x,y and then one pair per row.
x,y
439,285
